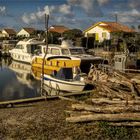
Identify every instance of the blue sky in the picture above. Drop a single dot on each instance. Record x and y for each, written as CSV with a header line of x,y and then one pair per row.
x,y
71,13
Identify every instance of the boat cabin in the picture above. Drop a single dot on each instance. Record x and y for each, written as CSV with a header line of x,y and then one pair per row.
x,y
25,50
58,50
31,46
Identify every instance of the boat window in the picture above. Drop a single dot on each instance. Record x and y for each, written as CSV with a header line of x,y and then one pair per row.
x,y
65,74
55,51
76,51
65,51
34,49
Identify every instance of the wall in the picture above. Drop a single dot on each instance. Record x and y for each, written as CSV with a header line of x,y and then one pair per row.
x,y
23,33
98,30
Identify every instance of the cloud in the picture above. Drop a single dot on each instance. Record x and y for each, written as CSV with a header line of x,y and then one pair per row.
x,y
25,18
63,9
2,25
103,2
134,4
89,10
91,7
2,9
130,16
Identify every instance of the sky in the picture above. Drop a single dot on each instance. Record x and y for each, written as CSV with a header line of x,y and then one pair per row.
x,y
79,14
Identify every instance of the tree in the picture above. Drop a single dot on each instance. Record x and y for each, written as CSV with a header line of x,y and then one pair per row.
x,y
72,34
53,38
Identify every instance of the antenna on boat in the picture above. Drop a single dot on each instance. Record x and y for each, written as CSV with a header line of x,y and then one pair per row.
x,y
46,41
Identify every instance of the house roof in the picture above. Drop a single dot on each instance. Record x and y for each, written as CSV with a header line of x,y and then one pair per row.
x,y
10,31
29,30
58,28
111,27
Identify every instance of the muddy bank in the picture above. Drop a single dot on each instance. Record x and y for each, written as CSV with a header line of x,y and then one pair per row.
x,y
46,121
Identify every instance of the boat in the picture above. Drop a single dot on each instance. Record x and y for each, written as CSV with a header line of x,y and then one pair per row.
x,y
54,63
66,49
25,50
64,80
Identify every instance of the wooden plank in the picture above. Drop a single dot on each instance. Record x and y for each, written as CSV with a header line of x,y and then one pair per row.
x,y
105,117
42,98
19,101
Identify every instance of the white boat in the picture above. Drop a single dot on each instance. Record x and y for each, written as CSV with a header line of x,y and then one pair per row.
x,y
25,50
74,52
64,81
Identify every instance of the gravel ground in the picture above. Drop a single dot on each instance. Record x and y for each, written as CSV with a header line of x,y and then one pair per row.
x,y
46,121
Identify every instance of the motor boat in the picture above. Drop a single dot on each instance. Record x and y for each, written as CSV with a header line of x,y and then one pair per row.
x,y
66,49
54,63
64,80
25,50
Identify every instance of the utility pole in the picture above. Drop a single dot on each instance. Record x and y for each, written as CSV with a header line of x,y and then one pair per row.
x,y
116,18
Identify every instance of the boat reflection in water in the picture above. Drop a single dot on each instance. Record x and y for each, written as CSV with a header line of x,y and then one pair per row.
x,y
16,81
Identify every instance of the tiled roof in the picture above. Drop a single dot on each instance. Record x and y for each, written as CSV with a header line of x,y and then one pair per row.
x,y
10,31
112,27
29,30
58,29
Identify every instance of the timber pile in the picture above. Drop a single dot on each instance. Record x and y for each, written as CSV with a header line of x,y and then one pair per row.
x,y
116,100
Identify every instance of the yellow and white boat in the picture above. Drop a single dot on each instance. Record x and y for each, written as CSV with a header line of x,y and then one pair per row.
x,y
52,64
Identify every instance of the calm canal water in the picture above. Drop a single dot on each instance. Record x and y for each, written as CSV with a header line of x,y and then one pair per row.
x,y
17,81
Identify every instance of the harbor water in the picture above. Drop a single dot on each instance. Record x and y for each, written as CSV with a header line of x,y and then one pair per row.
x,y
17,81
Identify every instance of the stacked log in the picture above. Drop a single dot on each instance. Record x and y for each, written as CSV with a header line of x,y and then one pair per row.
x,y
115,100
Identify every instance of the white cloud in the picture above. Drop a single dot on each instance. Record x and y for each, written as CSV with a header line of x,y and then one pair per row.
x,y
102,2
25,18
2,9
62,9
91,7
134,3
129,16
65,9
131,13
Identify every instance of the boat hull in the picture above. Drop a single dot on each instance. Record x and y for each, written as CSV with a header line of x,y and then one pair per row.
x,y
62,85
21,57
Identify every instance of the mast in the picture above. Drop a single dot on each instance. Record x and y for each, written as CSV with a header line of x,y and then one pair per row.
x,y
46,51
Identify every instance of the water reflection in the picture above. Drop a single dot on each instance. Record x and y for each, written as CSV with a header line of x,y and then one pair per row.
x,y
16,81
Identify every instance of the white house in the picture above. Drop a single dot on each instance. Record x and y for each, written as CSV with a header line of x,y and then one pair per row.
x,y
103,30
26,32
7,32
